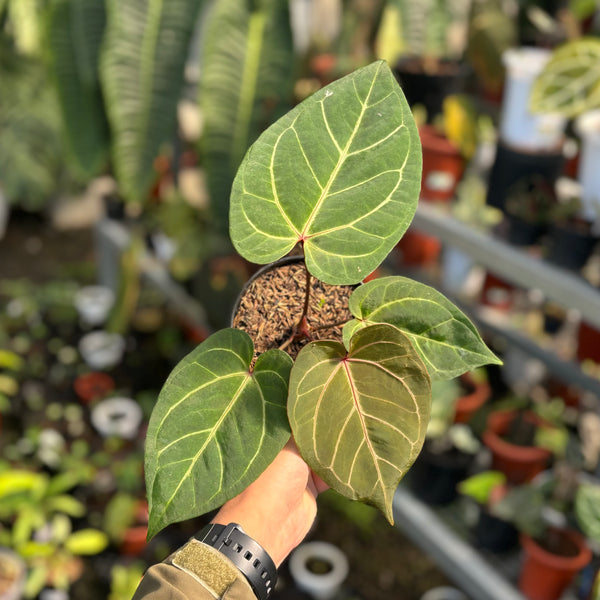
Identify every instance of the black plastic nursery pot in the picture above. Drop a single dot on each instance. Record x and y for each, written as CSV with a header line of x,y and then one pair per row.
x,y
494,534
429,89
434,476
271,305
523,233
511,165
569,247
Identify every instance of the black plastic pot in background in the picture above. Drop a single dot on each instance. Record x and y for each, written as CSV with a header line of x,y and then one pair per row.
x,y
429,89
494,534
511,165
569,247
434,476
523,233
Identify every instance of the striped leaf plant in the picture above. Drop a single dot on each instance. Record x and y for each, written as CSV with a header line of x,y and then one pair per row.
x,y
339,177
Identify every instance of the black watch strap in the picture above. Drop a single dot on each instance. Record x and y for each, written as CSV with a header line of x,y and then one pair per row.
x,y
246,554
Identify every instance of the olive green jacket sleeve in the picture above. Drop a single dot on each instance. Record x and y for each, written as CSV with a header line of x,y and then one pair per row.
x,y
196,571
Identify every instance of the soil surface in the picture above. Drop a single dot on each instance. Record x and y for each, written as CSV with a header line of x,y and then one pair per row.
x,y
272,306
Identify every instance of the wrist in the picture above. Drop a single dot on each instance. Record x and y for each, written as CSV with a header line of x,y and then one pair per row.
x,y
245,553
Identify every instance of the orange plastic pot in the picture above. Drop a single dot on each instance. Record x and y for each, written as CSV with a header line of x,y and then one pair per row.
x,y
544,575
471,402
93,386
496,292
519,463
443,166
418,249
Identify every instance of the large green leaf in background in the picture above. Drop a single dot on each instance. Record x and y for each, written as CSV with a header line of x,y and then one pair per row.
x,y
570,82
74,33
142,66
359,418
341,173
216,426
246,83
446,340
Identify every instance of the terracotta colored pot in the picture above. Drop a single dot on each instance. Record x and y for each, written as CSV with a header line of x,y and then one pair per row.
x,y
544,576
418,249
134,540
443,166
472,401
93,386
496,292
588,343
518,463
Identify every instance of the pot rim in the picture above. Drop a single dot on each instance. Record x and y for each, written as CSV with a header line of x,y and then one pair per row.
x,y
555,561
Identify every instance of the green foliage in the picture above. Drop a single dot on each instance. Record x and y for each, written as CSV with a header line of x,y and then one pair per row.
x,y
481,486
74,34
341,175
124,580
429,27
569,84
246,83
144,51
587,510
31,167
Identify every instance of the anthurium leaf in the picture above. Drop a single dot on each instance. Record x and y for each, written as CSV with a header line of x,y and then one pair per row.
x,y
444,337
359,418
216,426
570,81
340,172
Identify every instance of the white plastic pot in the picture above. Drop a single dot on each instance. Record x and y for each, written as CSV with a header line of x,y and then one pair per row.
x,y
456,268
319,586
102,350
117,417
443,593
520,128
93,303
587,127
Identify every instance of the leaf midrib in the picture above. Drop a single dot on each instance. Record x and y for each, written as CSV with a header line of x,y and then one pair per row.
x,y
208,439
342,158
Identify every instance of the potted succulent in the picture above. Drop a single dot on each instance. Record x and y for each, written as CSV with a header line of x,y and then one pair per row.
x,y
338,177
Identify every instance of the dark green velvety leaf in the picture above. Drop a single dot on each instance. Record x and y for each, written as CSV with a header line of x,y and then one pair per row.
x,y
340,173
359,418
444,337
215,428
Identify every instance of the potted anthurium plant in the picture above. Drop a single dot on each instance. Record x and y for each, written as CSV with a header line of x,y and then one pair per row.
x,y
337,179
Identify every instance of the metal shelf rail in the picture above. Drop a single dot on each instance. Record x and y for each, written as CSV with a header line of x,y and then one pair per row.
x,y
557,284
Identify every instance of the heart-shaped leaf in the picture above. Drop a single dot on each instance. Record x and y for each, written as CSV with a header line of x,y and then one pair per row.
x,y
444,337
570,81
359,418
215,428
340,173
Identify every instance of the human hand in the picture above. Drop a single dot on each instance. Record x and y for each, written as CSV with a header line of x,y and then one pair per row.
x,y
278,509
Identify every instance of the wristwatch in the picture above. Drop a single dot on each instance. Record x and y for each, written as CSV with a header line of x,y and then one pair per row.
x,y
245,553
